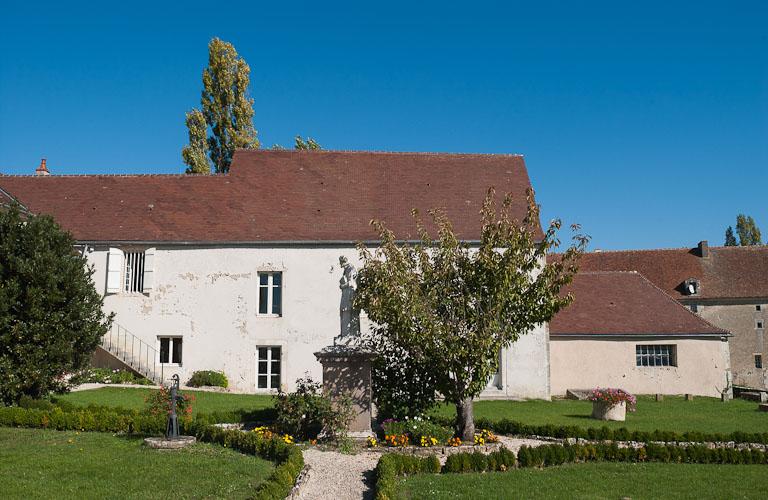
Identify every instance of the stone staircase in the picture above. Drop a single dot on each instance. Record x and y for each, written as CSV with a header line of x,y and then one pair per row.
x,y
133,352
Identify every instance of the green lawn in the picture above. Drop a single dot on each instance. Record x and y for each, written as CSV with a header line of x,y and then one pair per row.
x,y
597,481
205,402
51,464
671,414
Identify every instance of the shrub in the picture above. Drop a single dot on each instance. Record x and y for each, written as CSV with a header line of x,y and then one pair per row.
x,y
38,404
208,378
51,316
308,411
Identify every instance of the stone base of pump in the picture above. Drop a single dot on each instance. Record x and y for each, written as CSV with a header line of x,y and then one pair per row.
x,y
162,443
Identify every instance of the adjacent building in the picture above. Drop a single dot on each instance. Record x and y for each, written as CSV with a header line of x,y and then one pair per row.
x,y
727,286
623,331
240,272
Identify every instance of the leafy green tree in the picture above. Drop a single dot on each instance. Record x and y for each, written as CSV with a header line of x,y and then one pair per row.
x,y
749,233
51,318
226,109
306,145
194,154
730,239
451,308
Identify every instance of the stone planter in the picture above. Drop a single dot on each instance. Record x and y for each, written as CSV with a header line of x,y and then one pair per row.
x,y
606,411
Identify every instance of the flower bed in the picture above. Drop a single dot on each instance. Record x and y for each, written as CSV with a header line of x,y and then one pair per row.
x,y
424,433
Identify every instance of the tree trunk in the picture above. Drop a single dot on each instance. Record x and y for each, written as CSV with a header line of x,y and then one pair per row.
x,y
465,420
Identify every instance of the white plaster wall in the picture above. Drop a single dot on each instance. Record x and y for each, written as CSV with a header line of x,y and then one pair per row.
x,y
702,365
209,296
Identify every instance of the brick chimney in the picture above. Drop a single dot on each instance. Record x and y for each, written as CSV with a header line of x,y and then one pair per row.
x,y
704,249
42,169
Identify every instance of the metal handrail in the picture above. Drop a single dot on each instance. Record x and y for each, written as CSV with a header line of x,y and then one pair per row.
x,y
133,351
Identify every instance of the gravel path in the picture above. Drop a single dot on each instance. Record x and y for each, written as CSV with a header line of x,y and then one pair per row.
x,y
336,476
333,475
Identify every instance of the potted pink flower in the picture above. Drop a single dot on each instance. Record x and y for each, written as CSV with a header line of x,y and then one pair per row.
x,y
611,404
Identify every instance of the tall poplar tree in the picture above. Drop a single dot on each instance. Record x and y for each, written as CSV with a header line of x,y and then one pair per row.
x,y
227,111
749,233
730,239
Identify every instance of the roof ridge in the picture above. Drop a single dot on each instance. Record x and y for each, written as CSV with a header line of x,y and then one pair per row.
x,y
378,152
58,176
668,249
607,272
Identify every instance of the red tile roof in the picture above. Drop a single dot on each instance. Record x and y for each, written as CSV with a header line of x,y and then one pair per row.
x,y
727,272
279,196
625,303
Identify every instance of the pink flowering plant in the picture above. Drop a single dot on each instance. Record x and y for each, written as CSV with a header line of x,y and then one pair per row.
x,y
613,396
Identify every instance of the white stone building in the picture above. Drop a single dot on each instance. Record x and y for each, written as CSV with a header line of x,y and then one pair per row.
x,y
240,272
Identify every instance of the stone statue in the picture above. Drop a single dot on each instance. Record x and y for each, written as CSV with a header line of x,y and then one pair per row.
x,y
350,316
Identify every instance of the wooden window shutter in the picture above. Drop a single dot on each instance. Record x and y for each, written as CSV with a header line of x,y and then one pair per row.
x,y
149,269
114,270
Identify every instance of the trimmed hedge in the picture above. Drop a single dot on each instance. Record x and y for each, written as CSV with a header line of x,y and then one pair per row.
x,y
208,378
556,454
500,460
392,465
514,428
288,458
90,420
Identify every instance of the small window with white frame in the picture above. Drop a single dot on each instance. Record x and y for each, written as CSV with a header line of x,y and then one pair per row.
x,y
759,324
268,367
170,350
133,275
130,271
758,307
270,293
656,355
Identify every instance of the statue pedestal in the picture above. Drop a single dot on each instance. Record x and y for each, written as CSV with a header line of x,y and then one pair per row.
x,y
347,370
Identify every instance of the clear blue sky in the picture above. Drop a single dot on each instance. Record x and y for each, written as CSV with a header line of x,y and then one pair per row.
x,y
646,122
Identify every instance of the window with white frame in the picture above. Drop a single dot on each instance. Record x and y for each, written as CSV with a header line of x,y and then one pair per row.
x,y
268,368
130,271
656,355
271,293
170,350
133,276
759,324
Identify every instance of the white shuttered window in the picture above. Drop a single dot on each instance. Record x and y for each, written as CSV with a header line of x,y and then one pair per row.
x,y
130,271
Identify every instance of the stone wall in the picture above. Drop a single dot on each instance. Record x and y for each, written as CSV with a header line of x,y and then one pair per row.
x,y
586,363
748,340
208,295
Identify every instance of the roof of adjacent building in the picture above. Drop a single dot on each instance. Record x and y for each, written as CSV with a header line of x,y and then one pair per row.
x,y
625,303
285,196
722,272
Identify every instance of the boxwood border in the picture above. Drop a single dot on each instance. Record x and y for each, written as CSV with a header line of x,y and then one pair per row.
x,y
394,465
